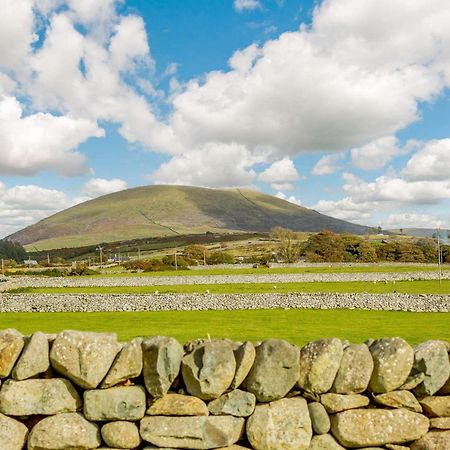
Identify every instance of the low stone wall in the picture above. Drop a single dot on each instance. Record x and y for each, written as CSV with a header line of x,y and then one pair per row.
x,y
80,390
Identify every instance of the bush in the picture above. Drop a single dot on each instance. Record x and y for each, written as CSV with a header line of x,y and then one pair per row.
x,y
81,269
325,246
220,258
12,250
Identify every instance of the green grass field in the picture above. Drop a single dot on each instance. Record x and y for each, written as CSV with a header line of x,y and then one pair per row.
x,y
296,326
285,270
404,287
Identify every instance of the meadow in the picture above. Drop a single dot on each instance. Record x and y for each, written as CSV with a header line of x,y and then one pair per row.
x,y
296,326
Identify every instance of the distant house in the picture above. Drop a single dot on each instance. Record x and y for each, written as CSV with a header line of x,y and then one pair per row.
x,y
30,262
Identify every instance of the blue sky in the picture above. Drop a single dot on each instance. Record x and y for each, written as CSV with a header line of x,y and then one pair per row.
x,y
339,105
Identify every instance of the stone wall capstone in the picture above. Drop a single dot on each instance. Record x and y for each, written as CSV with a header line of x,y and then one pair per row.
x,y
85,391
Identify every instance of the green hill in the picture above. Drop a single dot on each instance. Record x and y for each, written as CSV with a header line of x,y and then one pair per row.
x,y
152,211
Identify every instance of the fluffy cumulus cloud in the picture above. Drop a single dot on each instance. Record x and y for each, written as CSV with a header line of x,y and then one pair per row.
x,y
242,5
100,186
376,154
24,205
328,164
290,198
280,175
412,220
41,141
346,209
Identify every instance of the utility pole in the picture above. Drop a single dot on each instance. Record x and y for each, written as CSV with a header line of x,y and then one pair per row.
x,y
3,267
204,256
100,249
176,265
48,259
139,253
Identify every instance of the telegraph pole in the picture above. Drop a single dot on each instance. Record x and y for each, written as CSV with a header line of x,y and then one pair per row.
x,y
439,255
3,267
100,249
176,265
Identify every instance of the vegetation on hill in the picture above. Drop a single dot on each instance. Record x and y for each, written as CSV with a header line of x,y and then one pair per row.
x,y
10,250
153,211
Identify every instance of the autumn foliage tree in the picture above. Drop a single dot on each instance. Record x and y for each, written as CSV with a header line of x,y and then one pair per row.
x,y
289,247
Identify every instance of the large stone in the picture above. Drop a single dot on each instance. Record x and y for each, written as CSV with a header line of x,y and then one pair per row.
x,y
335,403
13,434
245,357
192,432
162,358
399,399
354,371
235,403
442,423
325,442
275,370
393,359
436,406
116,403
45,397
34,358
11,345
64,431
280,425
319,418
370,427
121,435
431,358
209,369
319,364
433,440
127,365
84,357
178,405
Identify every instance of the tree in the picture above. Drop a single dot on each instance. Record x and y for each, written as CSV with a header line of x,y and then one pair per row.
x,y
196,252
325,246
289,247
12,250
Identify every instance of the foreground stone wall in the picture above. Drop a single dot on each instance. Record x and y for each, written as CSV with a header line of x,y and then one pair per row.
x,y
79,390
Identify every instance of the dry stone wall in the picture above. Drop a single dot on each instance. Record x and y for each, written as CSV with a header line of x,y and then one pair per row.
x,y
83,390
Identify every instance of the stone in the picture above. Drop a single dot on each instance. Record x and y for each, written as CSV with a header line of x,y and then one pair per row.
x,y
11,345
412,381
324,442
393,359
319,364
433,440
235,403
436,406
280,425
121,435
44,397
335,403
245,357
13,434
442,423
116,403
34,358
178,405
275,370
396,447
64,431
319,418
399,399
371,427
162,358
354,371
209,369
431,359
84,357
127,365
192,432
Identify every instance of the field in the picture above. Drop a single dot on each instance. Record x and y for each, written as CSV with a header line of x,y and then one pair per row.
x,y
296,326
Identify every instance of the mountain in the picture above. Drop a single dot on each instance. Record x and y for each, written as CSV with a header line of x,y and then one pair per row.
x,y
172,210
424,233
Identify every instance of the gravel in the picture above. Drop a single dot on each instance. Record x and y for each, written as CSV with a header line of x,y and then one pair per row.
x,y
170,302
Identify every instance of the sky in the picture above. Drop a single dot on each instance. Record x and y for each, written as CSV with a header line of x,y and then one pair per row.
x,y
342,106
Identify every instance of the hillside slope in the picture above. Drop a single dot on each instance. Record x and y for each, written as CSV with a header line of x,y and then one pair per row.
x,y
171,210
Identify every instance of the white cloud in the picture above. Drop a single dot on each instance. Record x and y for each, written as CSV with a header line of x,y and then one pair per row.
x,y
215,165
412,220
280,174
21,206
100,186
432,162
346,209
41,141
376,154
328,164
242,5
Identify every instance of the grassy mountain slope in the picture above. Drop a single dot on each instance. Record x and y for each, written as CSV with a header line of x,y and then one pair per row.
x,y
171,210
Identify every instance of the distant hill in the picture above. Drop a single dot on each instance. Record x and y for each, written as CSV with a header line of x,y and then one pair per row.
x,y
424,233
172,210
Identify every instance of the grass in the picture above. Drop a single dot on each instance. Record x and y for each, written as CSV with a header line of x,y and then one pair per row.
x,y
404,287
284,270
296,326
